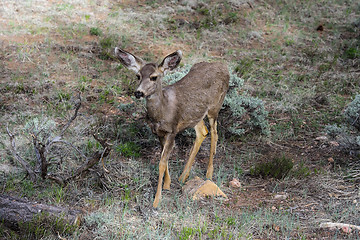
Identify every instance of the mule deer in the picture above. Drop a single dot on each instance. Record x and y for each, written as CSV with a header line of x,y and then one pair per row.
x,y
181,105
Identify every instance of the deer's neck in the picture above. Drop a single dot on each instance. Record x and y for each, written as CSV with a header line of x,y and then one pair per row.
x,y
161,111
155,105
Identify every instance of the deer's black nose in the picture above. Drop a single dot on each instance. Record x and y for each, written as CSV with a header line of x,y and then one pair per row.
x,y
139,94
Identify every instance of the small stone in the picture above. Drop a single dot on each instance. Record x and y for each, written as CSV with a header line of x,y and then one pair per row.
x,y
280,196
331,160
321,138
346,229
276,228
334,143
235,183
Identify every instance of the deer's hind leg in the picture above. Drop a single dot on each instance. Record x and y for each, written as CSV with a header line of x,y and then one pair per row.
x,y
201,132
214,139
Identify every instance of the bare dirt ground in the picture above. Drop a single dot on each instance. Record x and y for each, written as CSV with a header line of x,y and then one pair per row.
x,y
301,58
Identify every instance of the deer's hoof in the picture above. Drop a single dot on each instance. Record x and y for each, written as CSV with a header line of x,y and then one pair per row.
x,y
166,186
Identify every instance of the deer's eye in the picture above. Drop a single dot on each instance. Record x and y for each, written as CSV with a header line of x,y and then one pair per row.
x,y
138,77
153,78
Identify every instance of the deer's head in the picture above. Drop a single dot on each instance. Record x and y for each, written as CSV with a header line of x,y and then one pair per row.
x,y
149,74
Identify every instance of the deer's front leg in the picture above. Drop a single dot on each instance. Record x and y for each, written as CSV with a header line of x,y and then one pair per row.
x,y
167,179
168,144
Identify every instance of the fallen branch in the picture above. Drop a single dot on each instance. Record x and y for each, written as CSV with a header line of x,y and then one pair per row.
x,y
77,107
16,213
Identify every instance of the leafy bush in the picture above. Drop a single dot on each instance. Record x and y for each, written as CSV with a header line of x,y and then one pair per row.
x,y
241,109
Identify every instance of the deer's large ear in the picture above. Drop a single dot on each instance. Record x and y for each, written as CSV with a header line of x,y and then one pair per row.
x,y
128,60
171,61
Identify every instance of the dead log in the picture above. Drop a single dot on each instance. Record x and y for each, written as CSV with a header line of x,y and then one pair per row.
x,y
16,213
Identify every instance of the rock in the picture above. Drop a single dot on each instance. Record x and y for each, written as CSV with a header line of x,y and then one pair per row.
x,y
254,35
321,138
240,3
334,143
235,183
280,196
276,228
198,188
346,229
193,4
330,160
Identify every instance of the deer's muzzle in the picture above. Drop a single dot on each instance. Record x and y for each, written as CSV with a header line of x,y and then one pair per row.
x,y
139,94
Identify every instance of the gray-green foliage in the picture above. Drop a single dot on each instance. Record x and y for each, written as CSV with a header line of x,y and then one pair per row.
x,y
334,130
43,127
237,102
352,112
173,77
346,135
241,104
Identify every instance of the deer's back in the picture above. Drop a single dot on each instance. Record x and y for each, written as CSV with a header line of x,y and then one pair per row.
x,y
200,92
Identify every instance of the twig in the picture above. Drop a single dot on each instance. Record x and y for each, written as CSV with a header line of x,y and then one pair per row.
x,y
71,145
56,179
40,150
77,107
277,145
102,161
89,163
23,163
93,160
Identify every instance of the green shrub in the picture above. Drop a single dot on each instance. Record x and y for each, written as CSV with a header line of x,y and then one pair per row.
x,y
129,149
190,233
352,52
95,31
277,168
107,44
